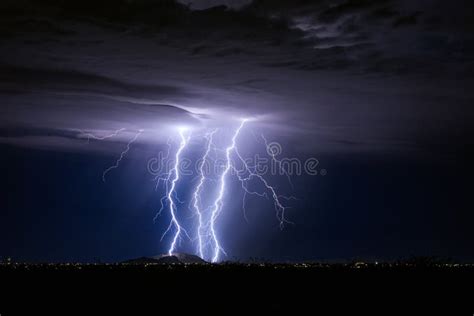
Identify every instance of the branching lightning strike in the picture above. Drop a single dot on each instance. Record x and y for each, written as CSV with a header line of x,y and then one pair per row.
x,y
122,155
206,231
90,136
276,162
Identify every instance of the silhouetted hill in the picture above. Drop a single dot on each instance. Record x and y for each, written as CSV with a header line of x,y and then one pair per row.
x,y
177,258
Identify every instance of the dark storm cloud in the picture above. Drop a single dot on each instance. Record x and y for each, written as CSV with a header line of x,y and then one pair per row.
x,y
410,19
29,131
22,86
17,78
295,65
297,28
397,34
46,107
67,122
349,7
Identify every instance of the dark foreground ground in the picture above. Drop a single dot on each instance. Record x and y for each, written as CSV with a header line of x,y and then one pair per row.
x,y
136,289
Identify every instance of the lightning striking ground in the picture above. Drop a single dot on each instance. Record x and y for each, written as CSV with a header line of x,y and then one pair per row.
x,y
197,193
171,193
206,230
122,155
218,202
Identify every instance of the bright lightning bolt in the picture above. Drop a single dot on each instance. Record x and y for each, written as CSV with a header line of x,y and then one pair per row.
x,y
122,155
172,206
197,192
218,202
207,235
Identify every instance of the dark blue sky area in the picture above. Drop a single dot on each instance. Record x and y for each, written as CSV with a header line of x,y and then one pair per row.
x,y
56,208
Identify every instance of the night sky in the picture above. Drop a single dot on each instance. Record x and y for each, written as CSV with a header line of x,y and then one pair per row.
x,y
379,92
